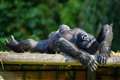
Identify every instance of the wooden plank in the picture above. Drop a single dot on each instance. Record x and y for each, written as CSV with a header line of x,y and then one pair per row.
x,y
34,58
37,58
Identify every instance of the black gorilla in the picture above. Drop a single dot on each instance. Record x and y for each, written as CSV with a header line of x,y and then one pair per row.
x,y
74,42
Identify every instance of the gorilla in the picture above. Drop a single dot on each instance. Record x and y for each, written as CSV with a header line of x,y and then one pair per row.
x,y
74,42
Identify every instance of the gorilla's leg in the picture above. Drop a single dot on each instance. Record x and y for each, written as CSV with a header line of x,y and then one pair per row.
x,y
28,45
105,39
13,44
85,58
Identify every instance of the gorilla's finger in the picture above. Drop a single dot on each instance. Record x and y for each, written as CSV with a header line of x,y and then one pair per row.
x,y
96,62
92,68
96,65
101,59
104,60
93,65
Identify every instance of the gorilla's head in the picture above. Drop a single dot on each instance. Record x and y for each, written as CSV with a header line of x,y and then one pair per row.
x,y
63,28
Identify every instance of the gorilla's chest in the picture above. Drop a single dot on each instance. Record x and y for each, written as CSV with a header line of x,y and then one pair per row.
x,y
68,35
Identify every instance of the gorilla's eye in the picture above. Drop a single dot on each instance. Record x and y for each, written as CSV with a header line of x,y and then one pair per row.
x,y
85,37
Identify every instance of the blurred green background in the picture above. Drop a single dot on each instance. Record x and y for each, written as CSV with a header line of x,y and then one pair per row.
x,y
37,18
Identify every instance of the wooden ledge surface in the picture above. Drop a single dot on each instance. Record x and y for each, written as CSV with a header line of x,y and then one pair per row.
x,y
34,58
47,59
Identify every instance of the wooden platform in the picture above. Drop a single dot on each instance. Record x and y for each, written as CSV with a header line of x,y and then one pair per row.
x,y
36,66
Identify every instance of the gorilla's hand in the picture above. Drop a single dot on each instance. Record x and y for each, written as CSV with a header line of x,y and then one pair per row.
x,y
101,58
89,61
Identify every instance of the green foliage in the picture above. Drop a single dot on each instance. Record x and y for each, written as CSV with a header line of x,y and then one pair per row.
x,y
37,18
2,44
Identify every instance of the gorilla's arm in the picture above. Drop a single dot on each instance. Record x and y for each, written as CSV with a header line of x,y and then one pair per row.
x,y
70,49
105,38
